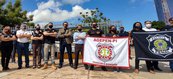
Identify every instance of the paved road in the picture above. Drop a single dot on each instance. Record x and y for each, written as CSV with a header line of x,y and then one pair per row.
x,y
68,73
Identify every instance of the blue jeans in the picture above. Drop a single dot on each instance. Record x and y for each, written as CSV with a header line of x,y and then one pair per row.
x,y
23,48
171,65
64,45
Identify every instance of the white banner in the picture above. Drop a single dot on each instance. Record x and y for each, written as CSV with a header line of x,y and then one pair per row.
x,y
112,52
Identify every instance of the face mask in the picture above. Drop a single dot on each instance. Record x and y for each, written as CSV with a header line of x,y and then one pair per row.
x,y
94,25
138,27
37,28
17,28
113,30
6,31
50,26
148,25
23,28
121,29
79,30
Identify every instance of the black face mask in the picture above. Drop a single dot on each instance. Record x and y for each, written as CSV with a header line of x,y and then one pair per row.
x,y
94,25
113,30
79,30
24,28
50,26
37,28
138,27
121,30
17,28
8,32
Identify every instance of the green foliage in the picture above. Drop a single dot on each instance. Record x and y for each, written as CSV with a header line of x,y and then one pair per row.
x,y
12,14
2,2
31,24
93,16
158,24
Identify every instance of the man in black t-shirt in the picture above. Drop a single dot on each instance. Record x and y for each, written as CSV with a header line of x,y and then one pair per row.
x,y
49,43
7,39
94,32
122,32
37,37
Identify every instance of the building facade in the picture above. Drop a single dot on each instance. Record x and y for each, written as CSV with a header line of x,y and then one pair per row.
x,y
164,9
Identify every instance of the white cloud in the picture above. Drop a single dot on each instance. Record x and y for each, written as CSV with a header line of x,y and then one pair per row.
x,y
49,4
50,12
73,2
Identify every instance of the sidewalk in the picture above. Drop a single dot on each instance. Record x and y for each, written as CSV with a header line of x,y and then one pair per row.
x,y
69,73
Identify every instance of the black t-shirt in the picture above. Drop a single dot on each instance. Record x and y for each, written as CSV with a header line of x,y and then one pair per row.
x,y
136,31
95,33
49,39
7,43
111,35
124,33
37,34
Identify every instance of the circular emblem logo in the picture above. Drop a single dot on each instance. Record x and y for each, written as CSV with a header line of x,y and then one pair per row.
x,y
105,52
160,44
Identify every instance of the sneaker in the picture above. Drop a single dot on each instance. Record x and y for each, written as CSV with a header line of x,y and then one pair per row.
x,y
19,68
45,66
86,66
71,65
7,68
38,66
60,66
118,70
151,71
136,71
33,67
91,67
27,66
104,68
157,68
75,67
54,67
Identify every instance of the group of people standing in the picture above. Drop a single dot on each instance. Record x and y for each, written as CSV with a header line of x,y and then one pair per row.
x,y
19,40
137,27
46,40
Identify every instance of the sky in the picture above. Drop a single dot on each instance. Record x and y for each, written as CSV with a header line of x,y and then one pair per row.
x,y
126,11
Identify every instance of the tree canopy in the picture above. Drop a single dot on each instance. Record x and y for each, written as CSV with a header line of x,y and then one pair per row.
x,y
12,14
93,16
158,24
